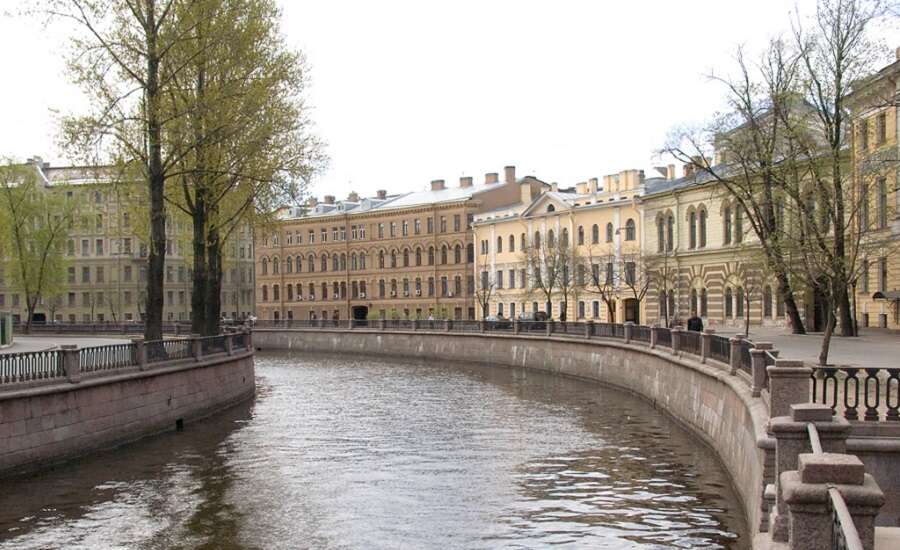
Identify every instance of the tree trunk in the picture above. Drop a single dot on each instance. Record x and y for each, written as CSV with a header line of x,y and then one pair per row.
x,y
200,279
845,313
156,261
826,340
214,283
790,305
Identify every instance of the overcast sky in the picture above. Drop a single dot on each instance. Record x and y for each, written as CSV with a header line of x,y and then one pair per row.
x,y
409,91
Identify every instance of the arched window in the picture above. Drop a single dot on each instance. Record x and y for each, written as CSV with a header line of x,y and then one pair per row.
x,y
381,259
660,234
663,311
393,258
353,263
275,294
335,265
290,292
609,232
630,231
265,293
418,256
522,245
551,239
311,263
695,299
443,254
671,305
767,302
670,233
551,208
430,255
499,245
343,262
692,229
312,291
289,264
264,266
381,288
739,222
275,266
729,304
354,289
537,240
470,252
580,235
726,225
564,238
324,263
299,263
739,299
704,309
362,260
512,243
457,254
405,257
595,234
702,228
344,289
324,291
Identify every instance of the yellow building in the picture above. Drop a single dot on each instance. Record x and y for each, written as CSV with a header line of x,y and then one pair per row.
x,y
592,231
406,255
876,161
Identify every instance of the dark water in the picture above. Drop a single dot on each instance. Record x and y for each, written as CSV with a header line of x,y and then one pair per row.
x,y
354,453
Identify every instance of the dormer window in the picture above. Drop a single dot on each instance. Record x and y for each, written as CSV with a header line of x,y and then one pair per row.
x,y
551,208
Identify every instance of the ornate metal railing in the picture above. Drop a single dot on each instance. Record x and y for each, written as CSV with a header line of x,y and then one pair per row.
x,y
101,358
168,350
691,342
33,366
868,394
720,349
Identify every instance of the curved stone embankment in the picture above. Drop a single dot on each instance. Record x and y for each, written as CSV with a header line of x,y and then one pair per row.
x,y
715,405
44,425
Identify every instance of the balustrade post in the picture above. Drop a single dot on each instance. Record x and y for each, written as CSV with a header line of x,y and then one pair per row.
x,y
813,518
249,338
788,385
516,327
758,366
140,353
229,344
792,439
706,344
481,326
654,335
589,329
629,331
196,346
70,363
548,327
676,339
446,325
415,324
176,329
734,356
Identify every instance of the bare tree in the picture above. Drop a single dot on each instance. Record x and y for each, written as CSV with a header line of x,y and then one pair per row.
x,y
486,284
637,275
553,267
601,264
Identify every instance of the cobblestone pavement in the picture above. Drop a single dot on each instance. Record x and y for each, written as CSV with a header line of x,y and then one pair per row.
x,y
874,348
22,344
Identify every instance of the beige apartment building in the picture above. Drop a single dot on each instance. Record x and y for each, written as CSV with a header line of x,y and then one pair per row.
x,y
592,229
405,255
106,259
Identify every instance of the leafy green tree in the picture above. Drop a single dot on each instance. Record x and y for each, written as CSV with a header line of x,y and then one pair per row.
x,y
34,227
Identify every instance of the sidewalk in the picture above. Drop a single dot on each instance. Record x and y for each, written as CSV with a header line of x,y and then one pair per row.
x,y
872,349
24,344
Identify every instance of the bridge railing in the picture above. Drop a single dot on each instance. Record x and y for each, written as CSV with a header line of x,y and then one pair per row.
x,y
71,363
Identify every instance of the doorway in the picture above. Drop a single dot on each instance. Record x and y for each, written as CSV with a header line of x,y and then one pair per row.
x,y
632,311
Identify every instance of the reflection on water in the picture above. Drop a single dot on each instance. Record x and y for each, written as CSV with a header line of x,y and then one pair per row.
x,y
353,453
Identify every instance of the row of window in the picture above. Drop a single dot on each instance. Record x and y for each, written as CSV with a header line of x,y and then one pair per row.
x,y
608,277
393,288
734,300
881,205
880,131
630,235
697,219
403,228
405,313
358,262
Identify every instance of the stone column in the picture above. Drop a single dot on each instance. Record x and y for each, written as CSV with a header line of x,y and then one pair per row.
x,y
629,331
70,363
589,329
734,356
811,509
789,383
249,339
791,435
654,335
229,344
197,346
140,353
706,344
758,362
676,340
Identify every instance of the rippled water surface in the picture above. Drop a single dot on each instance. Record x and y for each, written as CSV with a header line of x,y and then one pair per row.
x,y
358,453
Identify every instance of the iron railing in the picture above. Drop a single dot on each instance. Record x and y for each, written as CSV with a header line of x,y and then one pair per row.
x,y
868,394
168,350
32,366
691,342
720,349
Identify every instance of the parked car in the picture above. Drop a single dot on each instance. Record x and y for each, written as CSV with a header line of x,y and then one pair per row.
x,y
536,321
497,322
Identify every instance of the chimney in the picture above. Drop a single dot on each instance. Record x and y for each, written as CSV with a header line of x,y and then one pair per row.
x,y
688,170
581,187
509,174
670,172
381,194
353,196
329,199
897,52
525,191
593,183
437,185
491,177
465,181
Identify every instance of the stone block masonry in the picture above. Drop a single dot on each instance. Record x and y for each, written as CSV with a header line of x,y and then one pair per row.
x,y
41,426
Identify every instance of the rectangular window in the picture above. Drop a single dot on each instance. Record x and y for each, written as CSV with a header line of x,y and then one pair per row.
x,y
881,128
430,226
101,276
392,229
882,274
380,230
443,224
499,278
417,226
85,274
324,234
311,236
405,228
71,299
456,222
71,275
85,299
85,247
512,278
864,135
882,203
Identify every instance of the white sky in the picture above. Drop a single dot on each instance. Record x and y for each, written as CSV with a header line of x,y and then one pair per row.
x,y
409,91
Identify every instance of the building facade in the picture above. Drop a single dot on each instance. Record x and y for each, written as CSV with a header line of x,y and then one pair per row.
x,y
402,256
591,231
106,260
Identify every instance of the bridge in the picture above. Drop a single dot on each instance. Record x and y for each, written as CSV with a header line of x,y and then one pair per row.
x,y
59,404
813,453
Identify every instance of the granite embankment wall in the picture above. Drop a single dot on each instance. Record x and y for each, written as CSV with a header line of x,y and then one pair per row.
x,y
715,405
47,424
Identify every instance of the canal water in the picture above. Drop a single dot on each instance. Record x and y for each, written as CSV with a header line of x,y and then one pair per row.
x,y
339,452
